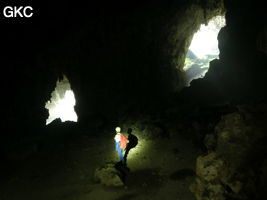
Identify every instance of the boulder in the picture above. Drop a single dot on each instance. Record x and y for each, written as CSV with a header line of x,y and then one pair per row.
x,y
209,167
108,175
234,168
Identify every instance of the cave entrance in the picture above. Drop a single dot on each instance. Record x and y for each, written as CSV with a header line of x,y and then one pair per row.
x,y
62,102
203,49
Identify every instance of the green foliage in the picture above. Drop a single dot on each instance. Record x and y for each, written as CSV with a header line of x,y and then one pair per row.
x,y
202,62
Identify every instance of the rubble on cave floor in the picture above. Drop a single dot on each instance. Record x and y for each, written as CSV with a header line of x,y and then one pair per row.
x,y
217,159
81,169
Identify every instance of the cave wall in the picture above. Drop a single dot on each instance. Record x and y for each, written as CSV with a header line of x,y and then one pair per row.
x,y
117,58
131,60
121,58
238,76
179,30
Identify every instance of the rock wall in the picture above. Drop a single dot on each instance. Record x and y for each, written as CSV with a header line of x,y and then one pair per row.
x,y
179,31
239,75
117,58
235,168
121,58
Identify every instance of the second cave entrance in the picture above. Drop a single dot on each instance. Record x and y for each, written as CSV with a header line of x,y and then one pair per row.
x,y
203,49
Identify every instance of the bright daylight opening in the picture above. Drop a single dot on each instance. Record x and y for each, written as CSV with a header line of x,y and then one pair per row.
x,y
203,49
62,102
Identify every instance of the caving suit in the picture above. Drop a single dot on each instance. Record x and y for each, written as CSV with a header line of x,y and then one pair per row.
x,y
118,149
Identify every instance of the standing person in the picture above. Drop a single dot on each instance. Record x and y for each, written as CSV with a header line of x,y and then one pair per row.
x,y
121,142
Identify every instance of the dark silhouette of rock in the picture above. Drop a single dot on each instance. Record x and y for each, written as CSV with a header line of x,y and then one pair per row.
x,y
108,175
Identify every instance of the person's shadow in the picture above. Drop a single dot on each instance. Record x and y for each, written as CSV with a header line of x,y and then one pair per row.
x,y
133,141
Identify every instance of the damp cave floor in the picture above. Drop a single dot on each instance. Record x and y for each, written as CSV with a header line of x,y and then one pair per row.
x,y
159,169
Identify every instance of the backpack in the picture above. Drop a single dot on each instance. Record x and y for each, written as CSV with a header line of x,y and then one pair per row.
x,y
123,142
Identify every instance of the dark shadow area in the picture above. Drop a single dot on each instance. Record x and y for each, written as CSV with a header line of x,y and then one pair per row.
x,y
124,61
182,174
127,197
147,179
132,142
123,169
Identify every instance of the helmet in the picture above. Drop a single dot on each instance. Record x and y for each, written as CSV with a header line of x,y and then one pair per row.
x,y
118,129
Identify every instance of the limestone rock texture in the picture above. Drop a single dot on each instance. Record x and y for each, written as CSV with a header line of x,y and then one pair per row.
x,y
108,176
234,170
179,31
238,76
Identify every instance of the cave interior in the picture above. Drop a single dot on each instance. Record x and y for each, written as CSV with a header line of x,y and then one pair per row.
x,y
123,65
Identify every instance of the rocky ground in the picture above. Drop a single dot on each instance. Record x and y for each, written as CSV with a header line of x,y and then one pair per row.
x,y
159,169
235,167
195,156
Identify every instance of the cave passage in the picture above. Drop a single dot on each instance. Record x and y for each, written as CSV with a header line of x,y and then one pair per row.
x,y
203,49
62,102
75,71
